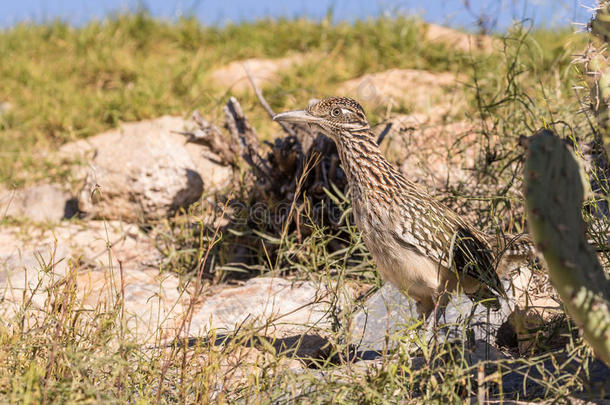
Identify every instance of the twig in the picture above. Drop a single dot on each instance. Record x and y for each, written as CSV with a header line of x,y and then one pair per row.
x,y
245,136
261,99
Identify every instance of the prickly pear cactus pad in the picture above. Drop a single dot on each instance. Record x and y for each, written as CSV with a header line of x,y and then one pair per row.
x,y
554,197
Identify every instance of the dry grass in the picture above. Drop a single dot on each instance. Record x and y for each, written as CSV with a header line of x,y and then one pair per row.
x,y
66,83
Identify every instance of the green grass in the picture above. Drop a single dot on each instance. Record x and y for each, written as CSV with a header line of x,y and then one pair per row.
x,y
68,83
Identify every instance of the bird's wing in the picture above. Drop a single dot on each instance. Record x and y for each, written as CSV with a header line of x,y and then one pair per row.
x,y
422,228
435,231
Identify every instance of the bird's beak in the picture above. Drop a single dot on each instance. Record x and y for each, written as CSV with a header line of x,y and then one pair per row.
x,y
297,117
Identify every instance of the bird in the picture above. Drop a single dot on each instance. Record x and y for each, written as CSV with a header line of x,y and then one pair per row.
x,y
421,246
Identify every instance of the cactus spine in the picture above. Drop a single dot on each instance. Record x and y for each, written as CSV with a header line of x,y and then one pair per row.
x,y
554,197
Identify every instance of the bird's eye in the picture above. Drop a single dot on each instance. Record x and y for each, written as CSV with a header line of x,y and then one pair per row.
x,y
335,112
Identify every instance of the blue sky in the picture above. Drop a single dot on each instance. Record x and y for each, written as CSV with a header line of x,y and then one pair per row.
x,y
449,12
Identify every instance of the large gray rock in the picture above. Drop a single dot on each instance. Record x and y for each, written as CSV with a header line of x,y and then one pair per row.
x,y
40,203
388,315
270,305
143,171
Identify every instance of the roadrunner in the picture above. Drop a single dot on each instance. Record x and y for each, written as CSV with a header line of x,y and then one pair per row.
x,y
419,245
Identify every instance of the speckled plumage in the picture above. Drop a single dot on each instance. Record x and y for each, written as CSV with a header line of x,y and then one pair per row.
x,y
419,245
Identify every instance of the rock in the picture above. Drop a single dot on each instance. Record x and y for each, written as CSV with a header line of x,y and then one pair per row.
x,y
460,40
523,322
419,91
233,76
277,306
432,154
538,308
39,203
26,274
86,259
388,315
153,302
526,379
481,323
5,107
505,381
534,291
293,318
143,171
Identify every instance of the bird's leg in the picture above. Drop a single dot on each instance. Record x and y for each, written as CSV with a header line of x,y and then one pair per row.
x,y
425,307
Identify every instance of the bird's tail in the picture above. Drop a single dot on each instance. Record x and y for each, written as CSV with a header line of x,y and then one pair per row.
x,y
512,251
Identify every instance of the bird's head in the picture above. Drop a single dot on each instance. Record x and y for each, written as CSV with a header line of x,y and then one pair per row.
x,y
335,116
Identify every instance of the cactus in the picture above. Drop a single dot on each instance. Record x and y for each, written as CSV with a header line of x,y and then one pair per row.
x,y
554,196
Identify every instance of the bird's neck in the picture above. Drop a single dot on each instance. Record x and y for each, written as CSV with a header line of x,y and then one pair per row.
x,y
367,170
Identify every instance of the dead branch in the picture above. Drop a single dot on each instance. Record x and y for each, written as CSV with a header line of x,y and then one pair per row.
x,y
263,102
240,129
209,135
